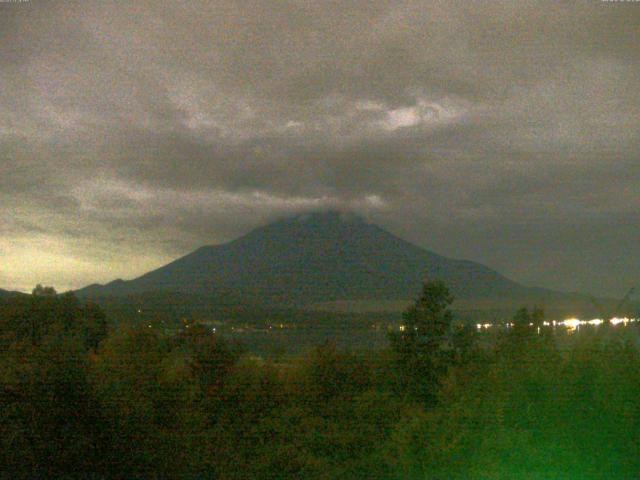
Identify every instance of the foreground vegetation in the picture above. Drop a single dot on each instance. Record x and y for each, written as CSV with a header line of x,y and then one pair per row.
x,y
78,401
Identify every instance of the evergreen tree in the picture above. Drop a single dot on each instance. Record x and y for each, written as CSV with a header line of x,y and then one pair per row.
x,y
423,347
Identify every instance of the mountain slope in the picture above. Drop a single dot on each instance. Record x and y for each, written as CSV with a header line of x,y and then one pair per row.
x,y
314,258
9,294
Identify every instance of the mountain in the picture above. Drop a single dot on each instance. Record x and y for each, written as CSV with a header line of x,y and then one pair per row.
x,y
318,257
8,294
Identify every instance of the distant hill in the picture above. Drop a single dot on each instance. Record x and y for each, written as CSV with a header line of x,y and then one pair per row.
x,y
316,258
8,294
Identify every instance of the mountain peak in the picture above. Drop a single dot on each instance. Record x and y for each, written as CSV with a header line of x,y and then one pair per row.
x,y
327,216
306,228
315,257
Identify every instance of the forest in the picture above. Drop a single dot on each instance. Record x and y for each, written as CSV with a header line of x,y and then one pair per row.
x,y
82,396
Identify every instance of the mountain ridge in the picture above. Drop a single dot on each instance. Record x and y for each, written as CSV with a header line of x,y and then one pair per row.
x,y
318,257
9,293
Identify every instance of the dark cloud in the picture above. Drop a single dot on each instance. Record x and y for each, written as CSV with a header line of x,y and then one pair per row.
x,y
504,132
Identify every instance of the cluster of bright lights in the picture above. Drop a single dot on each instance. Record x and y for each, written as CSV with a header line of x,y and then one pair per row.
x,y
570,323
624,320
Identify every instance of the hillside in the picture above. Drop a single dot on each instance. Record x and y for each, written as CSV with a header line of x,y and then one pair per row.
x,y
320,257
8,294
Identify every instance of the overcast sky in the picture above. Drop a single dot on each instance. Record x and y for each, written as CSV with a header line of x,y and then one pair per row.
x,y
502,132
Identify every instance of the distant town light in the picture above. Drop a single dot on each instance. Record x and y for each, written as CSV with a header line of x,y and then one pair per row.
x,y
616,320
570,322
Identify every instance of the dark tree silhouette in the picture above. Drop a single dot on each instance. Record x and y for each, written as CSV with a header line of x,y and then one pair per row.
x,y
42,291
424,347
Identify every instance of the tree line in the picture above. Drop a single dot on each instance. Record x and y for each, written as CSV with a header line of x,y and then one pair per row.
x,y
79,399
